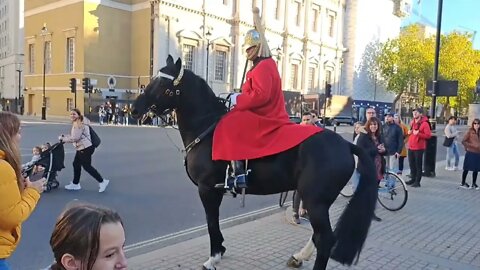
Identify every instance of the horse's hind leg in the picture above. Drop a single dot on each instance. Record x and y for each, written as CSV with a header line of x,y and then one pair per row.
x,y
304,255
323,237
211,200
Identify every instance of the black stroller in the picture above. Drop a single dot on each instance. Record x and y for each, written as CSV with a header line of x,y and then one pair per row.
x,y
52,160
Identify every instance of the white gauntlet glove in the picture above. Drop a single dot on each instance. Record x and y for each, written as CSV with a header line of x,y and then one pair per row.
x,y
233,99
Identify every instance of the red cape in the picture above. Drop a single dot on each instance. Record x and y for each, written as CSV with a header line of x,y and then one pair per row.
x,y
259,125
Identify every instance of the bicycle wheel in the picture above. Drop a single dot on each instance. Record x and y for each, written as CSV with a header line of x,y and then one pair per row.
x,y
283,198
348,190
392,192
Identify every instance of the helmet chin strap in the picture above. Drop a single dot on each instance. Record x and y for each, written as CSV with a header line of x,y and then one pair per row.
x,y
253,53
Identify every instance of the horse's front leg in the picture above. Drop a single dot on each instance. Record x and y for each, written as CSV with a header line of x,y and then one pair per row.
x,y
211,200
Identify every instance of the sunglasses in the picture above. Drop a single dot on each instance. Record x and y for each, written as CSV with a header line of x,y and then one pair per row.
x,y
475,123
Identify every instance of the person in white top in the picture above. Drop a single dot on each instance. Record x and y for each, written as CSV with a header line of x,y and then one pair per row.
x,y
80,137
451,132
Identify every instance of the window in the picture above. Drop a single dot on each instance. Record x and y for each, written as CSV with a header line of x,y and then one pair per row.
x,y
48,56
220,65
188,57
331,25
69,104
311,78
31,58
328,76
293,76
298,14
315,19
277,9
70,61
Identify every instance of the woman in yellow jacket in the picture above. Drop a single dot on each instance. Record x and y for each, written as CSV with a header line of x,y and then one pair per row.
x,y
403,154
18,196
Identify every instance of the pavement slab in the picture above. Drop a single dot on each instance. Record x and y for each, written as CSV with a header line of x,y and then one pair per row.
x,y
437,229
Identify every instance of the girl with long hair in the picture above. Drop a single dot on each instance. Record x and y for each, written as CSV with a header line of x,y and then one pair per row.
x,y
18,196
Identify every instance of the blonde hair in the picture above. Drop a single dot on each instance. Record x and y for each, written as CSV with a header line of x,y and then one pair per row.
x,y
10,126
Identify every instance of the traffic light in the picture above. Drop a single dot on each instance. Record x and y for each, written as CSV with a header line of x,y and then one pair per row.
x,y
85,84
328,90
90,89
73,85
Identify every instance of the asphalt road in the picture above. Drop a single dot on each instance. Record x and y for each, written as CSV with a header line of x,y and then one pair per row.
x,y
148,187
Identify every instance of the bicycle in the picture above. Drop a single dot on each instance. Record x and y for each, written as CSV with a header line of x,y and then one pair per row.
x,y
392,191
283,197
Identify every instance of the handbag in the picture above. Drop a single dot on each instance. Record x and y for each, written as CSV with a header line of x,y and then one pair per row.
x,y
448,141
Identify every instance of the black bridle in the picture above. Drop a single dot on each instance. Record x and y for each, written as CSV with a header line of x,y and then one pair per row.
x,y
152,111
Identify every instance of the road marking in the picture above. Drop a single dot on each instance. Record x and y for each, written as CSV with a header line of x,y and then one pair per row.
x,y
185,232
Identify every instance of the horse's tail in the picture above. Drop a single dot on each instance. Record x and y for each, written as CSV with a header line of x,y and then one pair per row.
x,y
352,227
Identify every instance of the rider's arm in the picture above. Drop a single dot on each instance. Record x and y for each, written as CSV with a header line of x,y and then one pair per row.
x,y
255,93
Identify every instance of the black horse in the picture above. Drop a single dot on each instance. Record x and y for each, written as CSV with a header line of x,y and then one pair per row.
x,y
318,168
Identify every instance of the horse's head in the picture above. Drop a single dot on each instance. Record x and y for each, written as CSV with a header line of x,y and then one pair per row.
x,y
163,92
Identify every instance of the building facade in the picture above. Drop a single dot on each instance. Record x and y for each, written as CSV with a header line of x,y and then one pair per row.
x,y
106,41
11,54
305,38
367,24
111,42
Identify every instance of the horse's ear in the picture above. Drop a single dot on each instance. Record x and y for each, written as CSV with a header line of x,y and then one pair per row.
x,y
178,64
169,60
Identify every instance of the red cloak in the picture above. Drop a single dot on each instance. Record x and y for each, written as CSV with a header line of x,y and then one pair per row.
x,y
258,125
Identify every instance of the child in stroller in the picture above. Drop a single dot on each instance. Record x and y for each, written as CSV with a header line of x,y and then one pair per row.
x,y
51,159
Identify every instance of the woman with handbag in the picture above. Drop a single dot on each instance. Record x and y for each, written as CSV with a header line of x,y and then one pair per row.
x,y
451,134
82,141
471,141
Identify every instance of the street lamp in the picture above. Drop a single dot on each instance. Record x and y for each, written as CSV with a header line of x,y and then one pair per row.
x,y
19,103
44,98
278,50
433,114
208,35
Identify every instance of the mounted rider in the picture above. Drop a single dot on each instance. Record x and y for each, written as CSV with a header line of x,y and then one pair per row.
x,y
258,125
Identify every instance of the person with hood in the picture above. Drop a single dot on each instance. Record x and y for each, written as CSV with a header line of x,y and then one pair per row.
x,y
419,133
82,141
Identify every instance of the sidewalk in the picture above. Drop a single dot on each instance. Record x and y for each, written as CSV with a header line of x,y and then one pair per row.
x,y
437,229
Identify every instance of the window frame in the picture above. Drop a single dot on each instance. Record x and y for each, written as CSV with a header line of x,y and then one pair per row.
x,y
70,55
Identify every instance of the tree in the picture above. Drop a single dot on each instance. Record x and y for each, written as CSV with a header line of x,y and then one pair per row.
x,y
461,62
406,62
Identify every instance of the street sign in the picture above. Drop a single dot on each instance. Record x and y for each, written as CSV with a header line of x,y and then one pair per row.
x,y
444,88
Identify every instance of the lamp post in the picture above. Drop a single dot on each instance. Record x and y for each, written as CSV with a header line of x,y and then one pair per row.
x,y
433,114
44,98
19,91
207,36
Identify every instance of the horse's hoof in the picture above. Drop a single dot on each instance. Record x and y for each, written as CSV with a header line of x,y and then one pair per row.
x,y
204,268
222,250
294,263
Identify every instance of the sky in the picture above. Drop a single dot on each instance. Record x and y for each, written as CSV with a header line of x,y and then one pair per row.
x,y
460,15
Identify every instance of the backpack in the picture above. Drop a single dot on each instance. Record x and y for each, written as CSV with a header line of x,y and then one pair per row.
x,y
94,138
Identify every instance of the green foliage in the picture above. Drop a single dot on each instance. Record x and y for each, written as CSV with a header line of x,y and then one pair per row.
x,y
408,61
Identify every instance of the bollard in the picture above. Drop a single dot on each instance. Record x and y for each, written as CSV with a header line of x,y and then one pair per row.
x,y
429,157
335,128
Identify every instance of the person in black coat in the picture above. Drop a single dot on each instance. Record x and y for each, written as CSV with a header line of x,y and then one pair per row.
x,y
371,141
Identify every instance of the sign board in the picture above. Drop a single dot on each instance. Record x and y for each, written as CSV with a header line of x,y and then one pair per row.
x,y
444,88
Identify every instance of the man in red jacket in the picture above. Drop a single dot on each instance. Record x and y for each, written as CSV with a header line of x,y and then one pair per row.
x,y
419,133
258,125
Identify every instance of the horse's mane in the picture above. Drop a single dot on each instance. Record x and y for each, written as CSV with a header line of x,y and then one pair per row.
x,y
199,84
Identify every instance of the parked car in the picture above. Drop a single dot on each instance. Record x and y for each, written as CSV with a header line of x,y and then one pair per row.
x,y
295,119
337,120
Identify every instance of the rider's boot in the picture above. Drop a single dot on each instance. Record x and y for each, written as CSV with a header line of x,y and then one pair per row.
x,y
240,173
238,179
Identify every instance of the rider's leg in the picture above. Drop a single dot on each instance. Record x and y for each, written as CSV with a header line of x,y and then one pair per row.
x,y
240,173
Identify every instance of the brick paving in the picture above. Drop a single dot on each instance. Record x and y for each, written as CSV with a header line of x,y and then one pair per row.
x,y
437,229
